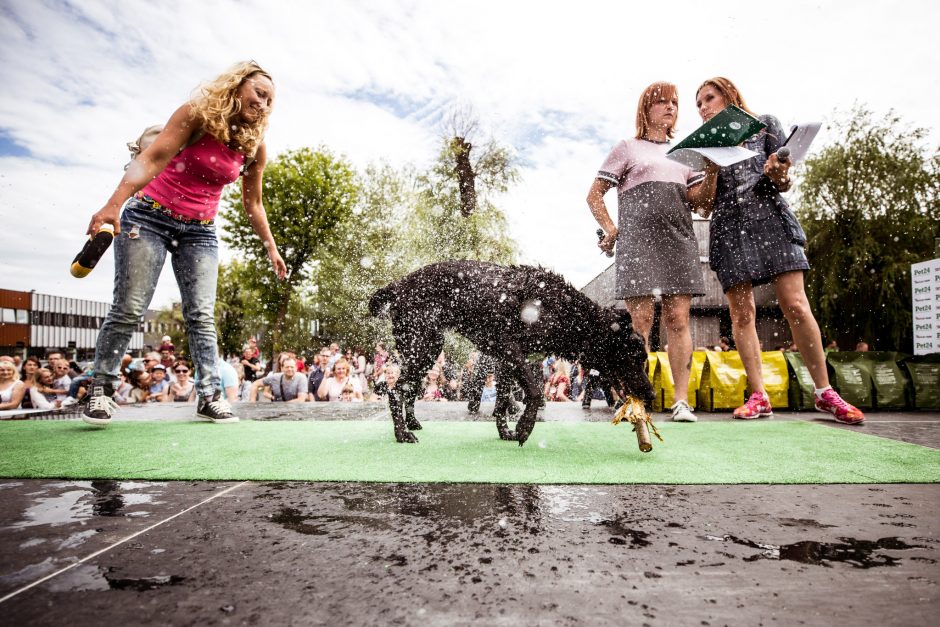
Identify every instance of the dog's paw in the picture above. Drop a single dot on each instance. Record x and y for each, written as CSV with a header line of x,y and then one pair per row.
x,y
413,424
507,435
406,437
523,432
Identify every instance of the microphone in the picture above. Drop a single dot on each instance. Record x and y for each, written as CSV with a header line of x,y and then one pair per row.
x,y
600,236
783,154
96,246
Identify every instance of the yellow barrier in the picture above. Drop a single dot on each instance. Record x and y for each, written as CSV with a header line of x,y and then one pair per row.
x,y
665,386
723,381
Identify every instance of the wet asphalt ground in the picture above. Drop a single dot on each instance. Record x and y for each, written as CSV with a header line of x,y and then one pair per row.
x,y
298,553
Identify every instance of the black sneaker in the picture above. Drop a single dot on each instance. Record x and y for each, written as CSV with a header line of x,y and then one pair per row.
x,y
215,409
100,404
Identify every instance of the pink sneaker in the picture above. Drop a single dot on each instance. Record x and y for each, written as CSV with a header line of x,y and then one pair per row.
x,y
758,406
831,403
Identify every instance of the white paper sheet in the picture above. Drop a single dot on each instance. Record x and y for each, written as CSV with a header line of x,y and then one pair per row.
x,y
695,157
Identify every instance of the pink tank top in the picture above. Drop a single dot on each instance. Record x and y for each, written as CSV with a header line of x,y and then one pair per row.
x,y
191,184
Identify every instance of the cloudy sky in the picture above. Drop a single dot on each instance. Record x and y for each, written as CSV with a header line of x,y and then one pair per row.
x,y
556,81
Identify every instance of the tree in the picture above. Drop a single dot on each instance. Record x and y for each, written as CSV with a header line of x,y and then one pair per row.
x,y
307,195
870,206
237,315
368,254
440,227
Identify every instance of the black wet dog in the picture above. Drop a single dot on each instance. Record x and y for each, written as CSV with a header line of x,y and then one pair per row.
x,y
509,313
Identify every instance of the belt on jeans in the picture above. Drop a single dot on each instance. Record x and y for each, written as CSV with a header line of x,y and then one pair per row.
x,y
169,212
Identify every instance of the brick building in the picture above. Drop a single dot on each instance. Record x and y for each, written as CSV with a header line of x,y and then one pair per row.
x,y
35,324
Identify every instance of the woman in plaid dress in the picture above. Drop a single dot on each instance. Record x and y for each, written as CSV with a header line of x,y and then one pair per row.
x,y
756,239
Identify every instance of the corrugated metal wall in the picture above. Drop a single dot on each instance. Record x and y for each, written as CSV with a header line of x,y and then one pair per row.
x,y
57,321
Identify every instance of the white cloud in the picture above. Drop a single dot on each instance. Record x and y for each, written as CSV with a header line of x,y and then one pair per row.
x,y
558,81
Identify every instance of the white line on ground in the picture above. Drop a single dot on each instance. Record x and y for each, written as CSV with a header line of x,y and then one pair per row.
x,y
119,542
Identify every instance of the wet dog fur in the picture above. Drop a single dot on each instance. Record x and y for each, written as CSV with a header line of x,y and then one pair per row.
x,y
509,313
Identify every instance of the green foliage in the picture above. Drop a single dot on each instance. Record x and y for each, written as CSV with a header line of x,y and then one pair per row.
x,y
366,254
307,195
343,236
870,206
236,307
436,230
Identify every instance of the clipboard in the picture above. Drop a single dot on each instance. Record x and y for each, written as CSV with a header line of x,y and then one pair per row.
x,y
800,138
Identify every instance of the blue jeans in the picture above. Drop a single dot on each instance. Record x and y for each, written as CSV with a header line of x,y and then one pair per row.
x,y
139,253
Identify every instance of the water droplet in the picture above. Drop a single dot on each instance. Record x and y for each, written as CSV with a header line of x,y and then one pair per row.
x,y
366,262
180,166
502,523
502,297
530,313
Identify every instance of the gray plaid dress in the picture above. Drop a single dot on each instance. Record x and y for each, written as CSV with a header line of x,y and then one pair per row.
x,y
657,253
754,235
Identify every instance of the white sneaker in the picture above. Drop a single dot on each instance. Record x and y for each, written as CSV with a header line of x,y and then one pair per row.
x,y
681,412
69,401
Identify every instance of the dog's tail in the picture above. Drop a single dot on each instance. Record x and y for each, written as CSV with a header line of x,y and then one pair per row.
x,y
378,304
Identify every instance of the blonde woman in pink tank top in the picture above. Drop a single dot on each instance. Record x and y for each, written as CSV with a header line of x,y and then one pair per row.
x,y
170,195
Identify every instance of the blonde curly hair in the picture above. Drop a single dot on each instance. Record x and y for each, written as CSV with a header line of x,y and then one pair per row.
x,y
215,105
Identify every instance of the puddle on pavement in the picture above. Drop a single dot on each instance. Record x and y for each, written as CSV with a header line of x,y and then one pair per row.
x,y
324,525
81,501
142,584
856,553
623,535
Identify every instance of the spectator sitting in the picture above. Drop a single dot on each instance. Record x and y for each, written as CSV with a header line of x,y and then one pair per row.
x,y
724,344
285,386
347,395
159,386
489,389
244,388
317,373
432,386
12,390
62,380
166,344
45,387
29,378
184,390
140,381
358,365
557,386
378,361
332,386
251,363
334,357
861,347
253,345
122,389
832,346
390,374
448,382
228,380
168,359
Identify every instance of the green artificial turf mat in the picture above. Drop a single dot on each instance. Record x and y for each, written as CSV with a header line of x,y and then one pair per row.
x,y
465,452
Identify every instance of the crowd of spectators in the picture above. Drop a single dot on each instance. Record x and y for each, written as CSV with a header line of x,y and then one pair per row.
x,y
328,375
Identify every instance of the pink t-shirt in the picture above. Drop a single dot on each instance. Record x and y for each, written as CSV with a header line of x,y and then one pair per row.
x,y
191,184
636,161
